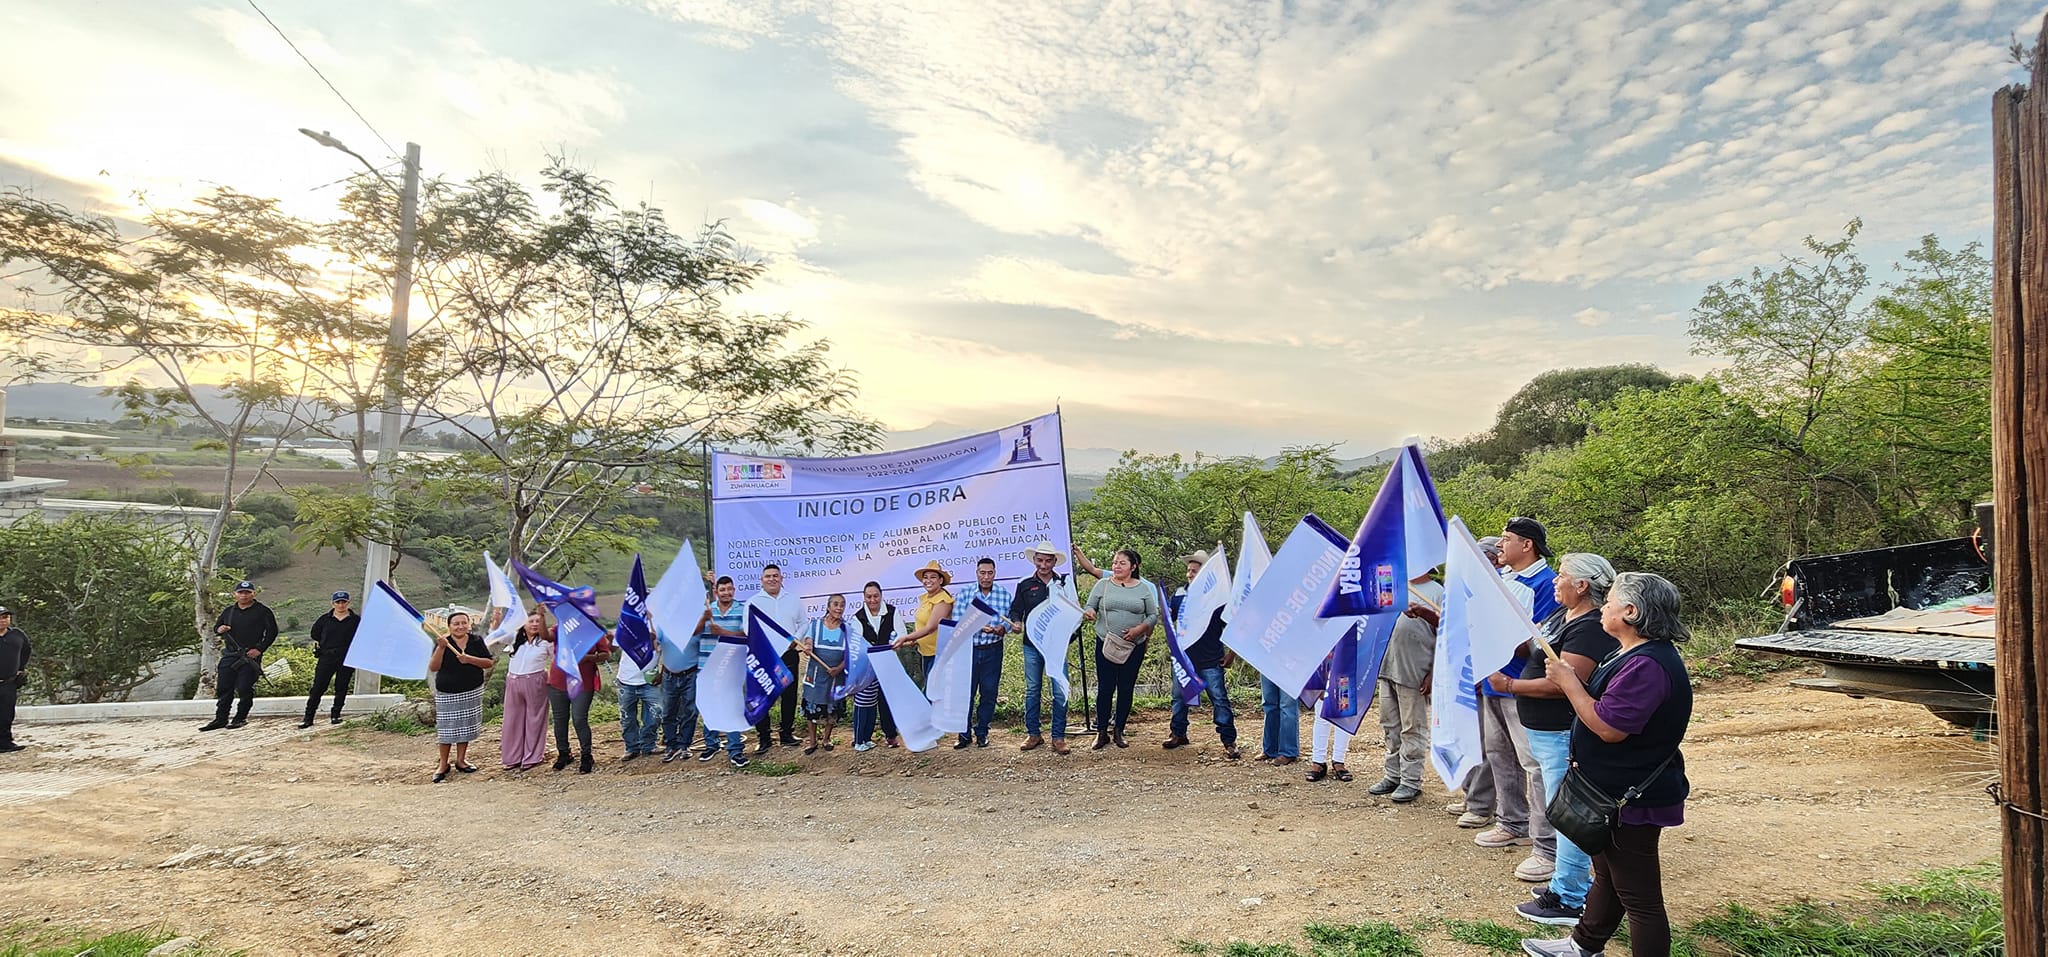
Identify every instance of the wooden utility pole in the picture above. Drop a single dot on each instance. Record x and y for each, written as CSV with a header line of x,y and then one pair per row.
x,y
2019,464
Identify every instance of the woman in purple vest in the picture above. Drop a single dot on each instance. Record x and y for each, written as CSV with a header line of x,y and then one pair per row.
x,y
1631,717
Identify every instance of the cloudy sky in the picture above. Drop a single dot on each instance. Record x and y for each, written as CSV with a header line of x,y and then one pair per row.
x,y
1216,225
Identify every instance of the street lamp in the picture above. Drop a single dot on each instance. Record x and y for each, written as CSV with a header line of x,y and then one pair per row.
x,y
377,561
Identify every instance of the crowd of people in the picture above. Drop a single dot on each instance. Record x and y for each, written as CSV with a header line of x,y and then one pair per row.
x,y
1608,699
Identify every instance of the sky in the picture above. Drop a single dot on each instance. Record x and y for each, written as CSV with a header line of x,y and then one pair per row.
x,y
1222,226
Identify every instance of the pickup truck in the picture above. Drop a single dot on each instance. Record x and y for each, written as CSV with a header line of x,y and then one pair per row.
x,y
1881,623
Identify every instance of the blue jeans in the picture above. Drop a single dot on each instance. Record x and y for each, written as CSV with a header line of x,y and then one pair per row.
x,y
981,700
1219,699
735,742
1034,680
1573,877
639,716
1282,737
679,710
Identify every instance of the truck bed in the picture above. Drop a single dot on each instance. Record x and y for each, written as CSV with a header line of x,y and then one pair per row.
x,y
1898,649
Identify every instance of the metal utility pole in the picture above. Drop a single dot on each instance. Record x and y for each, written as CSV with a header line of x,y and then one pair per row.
x,y
377,558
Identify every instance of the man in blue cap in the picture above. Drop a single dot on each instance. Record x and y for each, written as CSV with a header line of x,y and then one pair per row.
x,y
332,634
246,629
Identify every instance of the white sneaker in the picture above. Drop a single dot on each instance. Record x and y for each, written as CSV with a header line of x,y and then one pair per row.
x,y
864,747
1455,807
1536,869
1474,819
1561,947
1497,836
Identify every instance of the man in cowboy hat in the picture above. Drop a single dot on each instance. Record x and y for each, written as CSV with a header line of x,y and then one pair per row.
x,y
1210,658
1031,592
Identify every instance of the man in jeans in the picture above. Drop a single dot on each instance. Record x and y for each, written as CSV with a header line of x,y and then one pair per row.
x,y
639,707
1033,591
1517,778
678,698
1209,657
723,618
988,648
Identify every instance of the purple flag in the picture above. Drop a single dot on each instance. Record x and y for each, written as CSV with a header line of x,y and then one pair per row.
x,y
547,591
575,635
636,638
766,675
1187,681
1402,534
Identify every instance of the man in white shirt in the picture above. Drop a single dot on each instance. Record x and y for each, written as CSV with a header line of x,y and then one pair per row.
x,y
787,610
639,708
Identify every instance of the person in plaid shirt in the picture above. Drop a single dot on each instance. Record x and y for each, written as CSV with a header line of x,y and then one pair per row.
x,y
988,647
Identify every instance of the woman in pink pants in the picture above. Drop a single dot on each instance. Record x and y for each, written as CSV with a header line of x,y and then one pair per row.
x,y
522,741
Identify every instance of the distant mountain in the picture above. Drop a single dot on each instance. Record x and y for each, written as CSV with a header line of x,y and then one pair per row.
x,y
70,403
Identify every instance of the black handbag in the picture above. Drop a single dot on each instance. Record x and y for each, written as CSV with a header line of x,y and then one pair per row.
x,y
1587,815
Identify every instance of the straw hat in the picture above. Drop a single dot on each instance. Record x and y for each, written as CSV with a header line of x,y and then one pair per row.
x,y
1045,547
945,577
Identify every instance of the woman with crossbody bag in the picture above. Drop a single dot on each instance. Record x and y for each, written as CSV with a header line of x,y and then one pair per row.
x,y
1627,780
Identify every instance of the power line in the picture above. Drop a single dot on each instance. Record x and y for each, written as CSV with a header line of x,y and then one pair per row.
x,y
323,78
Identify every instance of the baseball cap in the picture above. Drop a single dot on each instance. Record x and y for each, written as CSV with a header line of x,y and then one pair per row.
x,y
339,596
1532,530
245,585
4,610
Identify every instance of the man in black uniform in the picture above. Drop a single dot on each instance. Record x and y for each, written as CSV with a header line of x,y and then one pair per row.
x,y
331,636
246,628
13,674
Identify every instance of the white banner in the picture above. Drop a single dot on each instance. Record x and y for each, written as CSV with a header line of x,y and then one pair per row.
x,y
952,677
722,688
911,709
1252,559
1051,628
1276,629
1482,623
835,524
504,596
677,601
392,638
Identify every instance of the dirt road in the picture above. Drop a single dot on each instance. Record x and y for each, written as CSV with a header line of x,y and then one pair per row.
x,y
335,842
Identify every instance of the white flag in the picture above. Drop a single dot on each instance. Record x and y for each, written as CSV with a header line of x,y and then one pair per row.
x,y
1276,629
911,709
951,680
1208,592
677,601
1050,628
1482,624
722,689
1253,557
503,595
392,639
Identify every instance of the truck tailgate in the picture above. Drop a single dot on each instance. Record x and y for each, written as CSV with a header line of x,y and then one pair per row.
x,y
1879,648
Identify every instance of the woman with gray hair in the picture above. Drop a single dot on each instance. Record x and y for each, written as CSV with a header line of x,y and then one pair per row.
x,y
1631,718
1575,633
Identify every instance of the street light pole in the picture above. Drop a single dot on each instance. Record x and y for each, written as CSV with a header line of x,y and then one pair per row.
x,y
377,560
377,563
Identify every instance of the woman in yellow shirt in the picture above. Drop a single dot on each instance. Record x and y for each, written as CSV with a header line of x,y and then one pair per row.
x,y
934,606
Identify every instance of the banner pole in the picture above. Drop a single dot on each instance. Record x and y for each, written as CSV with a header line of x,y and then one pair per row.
x,y
710,545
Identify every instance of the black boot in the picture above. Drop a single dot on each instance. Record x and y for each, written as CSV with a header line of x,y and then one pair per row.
x,y
563,760
584,768
309,718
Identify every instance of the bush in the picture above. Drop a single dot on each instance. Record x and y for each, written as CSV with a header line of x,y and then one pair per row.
x,y
104,597
296,683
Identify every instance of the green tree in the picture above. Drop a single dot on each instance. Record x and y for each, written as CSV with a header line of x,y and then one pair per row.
x,y
105,597
222,301
582,348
